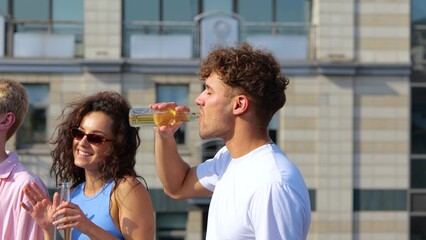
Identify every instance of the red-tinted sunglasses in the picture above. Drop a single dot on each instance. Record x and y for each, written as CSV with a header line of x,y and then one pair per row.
x,y
92,138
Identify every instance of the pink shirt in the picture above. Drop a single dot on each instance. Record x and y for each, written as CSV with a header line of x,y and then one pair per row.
x,y
15,222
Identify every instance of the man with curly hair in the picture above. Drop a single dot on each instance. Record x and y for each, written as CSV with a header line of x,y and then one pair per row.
x,y
257,193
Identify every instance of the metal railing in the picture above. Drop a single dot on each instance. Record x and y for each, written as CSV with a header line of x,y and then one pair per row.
x,y
44,26
157,28
245,31
193,29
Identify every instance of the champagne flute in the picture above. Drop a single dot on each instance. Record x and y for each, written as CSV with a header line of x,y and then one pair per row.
x,y
64,195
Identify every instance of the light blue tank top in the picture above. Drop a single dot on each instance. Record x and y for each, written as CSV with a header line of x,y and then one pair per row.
x,y
97,209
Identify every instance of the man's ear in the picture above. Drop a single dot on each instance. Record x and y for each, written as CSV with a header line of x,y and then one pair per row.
x,y
241,104
7,120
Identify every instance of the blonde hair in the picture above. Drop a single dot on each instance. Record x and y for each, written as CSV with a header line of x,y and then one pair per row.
x,y
14,99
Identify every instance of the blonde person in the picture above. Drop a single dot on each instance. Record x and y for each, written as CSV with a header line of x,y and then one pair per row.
x,y
15,222
95,149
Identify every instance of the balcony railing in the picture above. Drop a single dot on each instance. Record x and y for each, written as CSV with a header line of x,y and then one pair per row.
x,y
158,39
162,39
183,40
43,39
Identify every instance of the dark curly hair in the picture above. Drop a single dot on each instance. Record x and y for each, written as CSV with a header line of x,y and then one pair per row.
x,y
256,73
125,143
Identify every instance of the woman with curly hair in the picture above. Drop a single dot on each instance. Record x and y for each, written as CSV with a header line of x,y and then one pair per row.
x,y
95,149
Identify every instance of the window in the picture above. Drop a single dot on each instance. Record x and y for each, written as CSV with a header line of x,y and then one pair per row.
x,y
418,202
160,10
418,160
171,216
3,7
25,9
380,200
282,26
418,121
255,11
34,128
31,20
171,226
223,5
292,11
418,180
210,147
273,128
313,199
418,10
147,10
418,39
144,24
418,228
64,10
188,9
149,22
174,93
274,10
39,10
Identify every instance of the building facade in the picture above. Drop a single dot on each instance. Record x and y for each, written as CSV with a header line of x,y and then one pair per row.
x,y
354,121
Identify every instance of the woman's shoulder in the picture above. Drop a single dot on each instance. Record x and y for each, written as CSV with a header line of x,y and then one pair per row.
x,y
128,186
128,181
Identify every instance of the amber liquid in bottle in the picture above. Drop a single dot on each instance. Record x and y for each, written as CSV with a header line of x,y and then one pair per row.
x,y
139,117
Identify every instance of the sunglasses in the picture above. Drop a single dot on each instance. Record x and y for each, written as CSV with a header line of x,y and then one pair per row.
x,y
92,138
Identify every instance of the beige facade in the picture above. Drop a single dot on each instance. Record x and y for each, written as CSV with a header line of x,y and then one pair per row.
x,y
347,132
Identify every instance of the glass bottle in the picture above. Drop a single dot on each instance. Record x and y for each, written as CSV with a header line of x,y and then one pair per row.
x,y
139,117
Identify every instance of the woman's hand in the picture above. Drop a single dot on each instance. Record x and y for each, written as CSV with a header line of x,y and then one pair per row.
x,y
69,216
41,209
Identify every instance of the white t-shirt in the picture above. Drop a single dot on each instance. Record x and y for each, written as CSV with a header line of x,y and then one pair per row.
x,y
261,195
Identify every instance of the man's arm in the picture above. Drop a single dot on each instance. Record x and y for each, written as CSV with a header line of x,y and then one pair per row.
x,y
179,180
